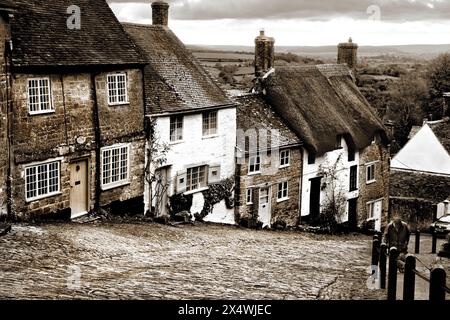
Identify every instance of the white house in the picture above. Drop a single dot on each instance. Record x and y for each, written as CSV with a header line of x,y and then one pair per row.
x,y
195,118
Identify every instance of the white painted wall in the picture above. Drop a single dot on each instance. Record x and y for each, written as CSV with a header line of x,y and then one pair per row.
x,y
196,150
423,152
312,171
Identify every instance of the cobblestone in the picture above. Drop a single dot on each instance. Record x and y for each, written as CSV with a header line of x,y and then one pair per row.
x,y
149,261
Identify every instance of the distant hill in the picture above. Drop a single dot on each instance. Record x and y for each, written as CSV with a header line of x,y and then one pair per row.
x,y
425,52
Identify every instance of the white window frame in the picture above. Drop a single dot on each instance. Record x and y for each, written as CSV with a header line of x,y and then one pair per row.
x,y
283,154
200,185
176,117
254,159
115,76
120,182
368,166
283,187
371,206
206,117
39,97
36,165
249,196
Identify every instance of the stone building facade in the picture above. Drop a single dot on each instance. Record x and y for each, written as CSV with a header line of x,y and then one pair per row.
x,y
76,121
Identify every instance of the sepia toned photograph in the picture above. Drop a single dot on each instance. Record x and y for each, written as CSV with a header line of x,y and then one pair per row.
x,y
206,152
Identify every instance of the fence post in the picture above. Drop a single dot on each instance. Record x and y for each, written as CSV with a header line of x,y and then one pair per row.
x,y
409,283
392,276
417,251
437,282
375,251
383,259
434,241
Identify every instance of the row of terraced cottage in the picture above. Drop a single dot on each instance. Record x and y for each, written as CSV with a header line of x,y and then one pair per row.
x,y
122,117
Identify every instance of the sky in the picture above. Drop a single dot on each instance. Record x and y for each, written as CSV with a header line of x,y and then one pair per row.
x,y
300,22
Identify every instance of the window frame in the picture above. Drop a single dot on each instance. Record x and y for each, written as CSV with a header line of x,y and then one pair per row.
x,y
249,196
189,179
288,152
206,116
36,182
177,128
50,97
371,207
121,182
353,179
368,166
283,189
257,163
116,75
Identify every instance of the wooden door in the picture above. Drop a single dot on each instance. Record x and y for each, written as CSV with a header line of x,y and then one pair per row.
x,y
264,214
314,201
353,214
79,187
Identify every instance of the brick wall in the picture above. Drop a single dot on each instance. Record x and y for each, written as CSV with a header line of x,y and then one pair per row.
x,y
378,189
68,134
286,211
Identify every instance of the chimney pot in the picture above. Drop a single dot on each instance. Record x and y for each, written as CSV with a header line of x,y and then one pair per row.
x,y
264,54
160,13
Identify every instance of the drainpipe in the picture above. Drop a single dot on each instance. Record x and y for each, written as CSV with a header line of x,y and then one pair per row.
x,y
97,135
9,200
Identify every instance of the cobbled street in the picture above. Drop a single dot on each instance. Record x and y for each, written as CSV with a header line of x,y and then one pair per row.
x,y
150,261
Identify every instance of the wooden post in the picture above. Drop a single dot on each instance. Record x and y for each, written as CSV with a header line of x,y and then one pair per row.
x,y
375,251
434,241
383,259
409,283
437,282
392,276
417,251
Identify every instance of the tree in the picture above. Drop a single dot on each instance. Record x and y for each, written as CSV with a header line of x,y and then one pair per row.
x,y
439,83
156,158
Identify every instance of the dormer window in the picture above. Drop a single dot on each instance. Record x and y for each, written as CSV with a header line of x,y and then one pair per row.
x,y
39,96
117,89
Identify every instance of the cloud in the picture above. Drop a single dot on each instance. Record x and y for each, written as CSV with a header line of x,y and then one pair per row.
x,y
389,10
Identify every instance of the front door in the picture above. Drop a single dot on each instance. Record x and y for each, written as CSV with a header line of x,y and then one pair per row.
x,y
264,207
161,192
377,211
353,214
314,201
79,188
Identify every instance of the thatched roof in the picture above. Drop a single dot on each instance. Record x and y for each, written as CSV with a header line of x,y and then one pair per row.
x,y
321,102
41,38
174,80
253,112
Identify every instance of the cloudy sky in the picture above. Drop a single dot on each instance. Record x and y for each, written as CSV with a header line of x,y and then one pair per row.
x,y
300,22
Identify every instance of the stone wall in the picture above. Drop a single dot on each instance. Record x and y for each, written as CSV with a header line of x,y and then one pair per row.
x,y
416,212
378,190
69,134
287,212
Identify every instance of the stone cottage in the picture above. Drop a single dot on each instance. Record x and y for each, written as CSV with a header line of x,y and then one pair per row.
x,y
72,111
194,119
420,175
345,147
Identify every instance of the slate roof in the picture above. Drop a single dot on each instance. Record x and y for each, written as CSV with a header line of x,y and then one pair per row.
x,y
253,112
321,102
174,79
416,185
41,37
7,5
442,131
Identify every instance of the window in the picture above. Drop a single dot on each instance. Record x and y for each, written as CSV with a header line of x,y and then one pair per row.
x,y
370,173
351,155
311,158
254,164
374,209
115,166
338,141
196,178
209,123
283,191
42,180
353,178
285,156
117,89
176,128
39,96
249,196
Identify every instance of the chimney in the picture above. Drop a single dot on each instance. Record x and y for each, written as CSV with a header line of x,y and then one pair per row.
x,y
348,53
160,13
264,54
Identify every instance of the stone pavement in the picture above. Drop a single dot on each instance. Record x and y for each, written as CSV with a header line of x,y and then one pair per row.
x,y
149,261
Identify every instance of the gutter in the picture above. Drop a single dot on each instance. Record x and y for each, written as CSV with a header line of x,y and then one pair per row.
x,y
192,111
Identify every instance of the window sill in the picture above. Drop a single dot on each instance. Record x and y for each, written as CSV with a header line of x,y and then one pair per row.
x,y
123,104
371,182
44,197
282,200
285,166
214,136
254,173
249,204
114,186
173,143
37,113
187,193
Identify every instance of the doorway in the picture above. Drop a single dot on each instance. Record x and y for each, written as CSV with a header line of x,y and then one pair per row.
x,y
353,214
79,187
264,214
